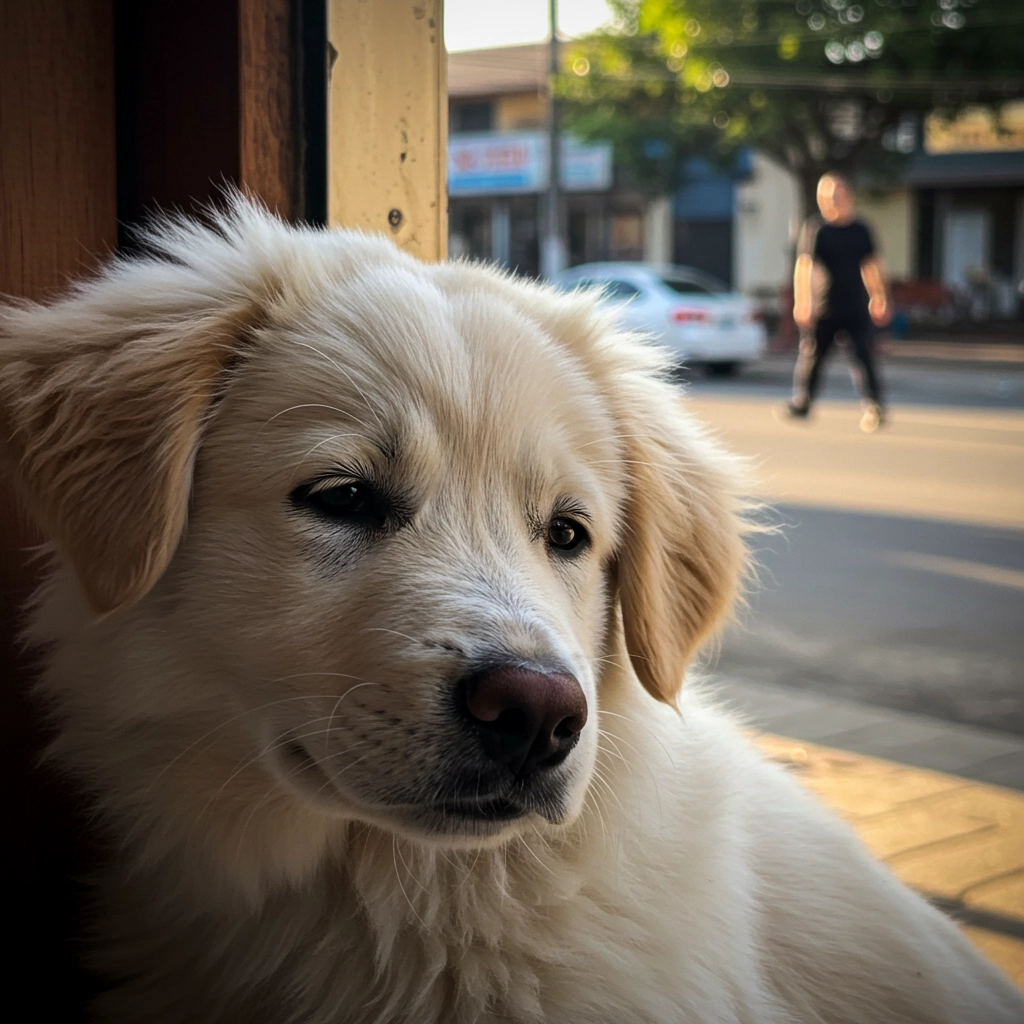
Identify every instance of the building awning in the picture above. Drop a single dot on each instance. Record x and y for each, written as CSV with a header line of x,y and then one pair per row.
x,y
498,71
966,170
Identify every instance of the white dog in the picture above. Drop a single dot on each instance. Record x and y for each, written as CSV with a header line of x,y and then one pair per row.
x,y
376,586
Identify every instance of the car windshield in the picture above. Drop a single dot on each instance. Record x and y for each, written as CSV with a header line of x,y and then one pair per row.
x,y
693,284
613,289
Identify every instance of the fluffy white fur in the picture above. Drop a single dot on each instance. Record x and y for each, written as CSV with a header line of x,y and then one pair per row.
x,y
258,701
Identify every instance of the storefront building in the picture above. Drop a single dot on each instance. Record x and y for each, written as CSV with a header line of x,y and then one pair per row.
x,y
950,225
498,165
968,183
495,184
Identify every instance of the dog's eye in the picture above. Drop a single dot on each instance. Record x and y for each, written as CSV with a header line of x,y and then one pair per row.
x,y
353,501
566,534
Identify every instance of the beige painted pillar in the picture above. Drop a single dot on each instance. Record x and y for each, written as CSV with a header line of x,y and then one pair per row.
x,y
387,121
658,230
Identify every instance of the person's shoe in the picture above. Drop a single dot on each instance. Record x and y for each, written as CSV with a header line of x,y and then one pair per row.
x,y
873,418
791,411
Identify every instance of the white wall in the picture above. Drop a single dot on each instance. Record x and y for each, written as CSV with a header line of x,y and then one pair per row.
x,y
890,215
767,218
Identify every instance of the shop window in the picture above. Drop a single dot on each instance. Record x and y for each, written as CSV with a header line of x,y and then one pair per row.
x,y
524,244
472,117
577,237
705,245
469,232
627,236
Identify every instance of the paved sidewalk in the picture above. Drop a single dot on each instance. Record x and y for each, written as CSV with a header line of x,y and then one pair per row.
x,y
960,843
955,465
983,755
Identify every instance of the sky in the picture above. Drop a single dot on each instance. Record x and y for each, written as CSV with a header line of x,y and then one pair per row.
x,y
474,24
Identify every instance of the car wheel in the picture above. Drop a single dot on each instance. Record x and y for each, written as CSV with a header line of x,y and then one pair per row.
x,y
725,368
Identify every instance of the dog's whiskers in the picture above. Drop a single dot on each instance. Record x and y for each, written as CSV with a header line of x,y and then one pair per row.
x,y
625,718
395,632
282,739
615,739
601,778
526,846
271,789
398,877
347,376
261,707
326,440
304,405
609,437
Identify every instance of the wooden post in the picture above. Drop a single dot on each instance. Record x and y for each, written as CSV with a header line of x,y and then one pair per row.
x,y
387,122
269,146
199,107
57,193
58,216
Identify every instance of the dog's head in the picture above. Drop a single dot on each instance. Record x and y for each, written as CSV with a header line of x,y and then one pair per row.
x,y
403,519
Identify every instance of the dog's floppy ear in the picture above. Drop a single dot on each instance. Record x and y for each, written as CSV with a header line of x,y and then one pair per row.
x,y
682,552
103,397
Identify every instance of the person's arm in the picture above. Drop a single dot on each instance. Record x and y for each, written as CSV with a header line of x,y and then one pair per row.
x,y
873,275
803,304
803,274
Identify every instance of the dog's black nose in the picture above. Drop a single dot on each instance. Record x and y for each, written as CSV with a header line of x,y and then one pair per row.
x,y
525,719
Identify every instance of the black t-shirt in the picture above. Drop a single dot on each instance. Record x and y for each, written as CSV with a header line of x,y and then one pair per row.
x,y
841,249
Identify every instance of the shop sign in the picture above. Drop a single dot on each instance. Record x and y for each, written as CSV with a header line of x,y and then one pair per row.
x,y
518,162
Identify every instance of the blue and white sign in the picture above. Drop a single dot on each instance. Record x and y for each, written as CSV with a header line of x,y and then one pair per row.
x,y
586,166
516,162
480,164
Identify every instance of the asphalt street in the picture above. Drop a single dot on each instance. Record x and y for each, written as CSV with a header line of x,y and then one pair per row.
x,y
907,382
895,576
889,610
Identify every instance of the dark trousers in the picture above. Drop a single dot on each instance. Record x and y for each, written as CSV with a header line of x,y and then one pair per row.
x,y
814,350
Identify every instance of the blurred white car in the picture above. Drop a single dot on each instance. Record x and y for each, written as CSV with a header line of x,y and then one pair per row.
x,y
684,309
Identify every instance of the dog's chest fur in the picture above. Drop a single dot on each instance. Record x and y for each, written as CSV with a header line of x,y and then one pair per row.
x,y
388,931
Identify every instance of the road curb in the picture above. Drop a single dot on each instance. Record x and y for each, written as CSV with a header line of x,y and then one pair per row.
x,y
993,353
953,352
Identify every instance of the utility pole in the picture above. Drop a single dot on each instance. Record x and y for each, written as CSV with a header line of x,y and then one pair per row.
x,y
552,251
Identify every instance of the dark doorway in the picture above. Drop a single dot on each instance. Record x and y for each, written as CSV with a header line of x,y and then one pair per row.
x,y
706,245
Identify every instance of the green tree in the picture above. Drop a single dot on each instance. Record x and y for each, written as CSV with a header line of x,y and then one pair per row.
x,y
817,84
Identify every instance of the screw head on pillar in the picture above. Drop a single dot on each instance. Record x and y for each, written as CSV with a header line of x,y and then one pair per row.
x,y
394,218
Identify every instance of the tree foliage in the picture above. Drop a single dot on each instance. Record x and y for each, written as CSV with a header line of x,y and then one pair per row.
x,y
817,84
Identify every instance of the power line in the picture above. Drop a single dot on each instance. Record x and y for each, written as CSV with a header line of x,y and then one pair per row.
x,y
836,81
827,32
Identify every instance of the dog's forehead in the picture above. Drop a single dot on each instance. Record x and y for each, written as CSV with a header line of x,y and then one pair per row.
x,y
393,357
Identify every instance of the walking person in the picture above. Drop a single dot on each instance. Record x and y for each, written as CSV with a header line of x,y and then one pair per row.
x,y
855,301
